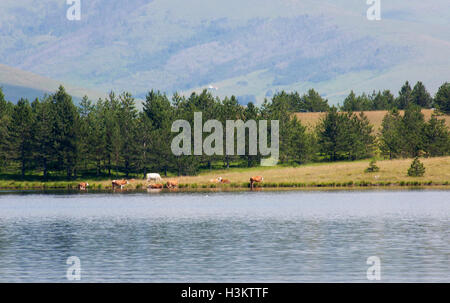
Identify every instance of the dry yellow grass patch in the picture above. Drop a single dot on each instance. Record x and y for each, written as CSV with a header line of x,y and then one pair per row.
x,y
437,170
375,117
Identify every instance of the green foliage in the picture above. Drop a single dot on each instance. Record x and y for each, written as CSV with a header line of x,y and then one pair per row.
x,y
345,136
417,169
410,135
372,167
420,96
111,137
404,96
5,118
309,102
442,98
391,139
376,101
21,134
436,137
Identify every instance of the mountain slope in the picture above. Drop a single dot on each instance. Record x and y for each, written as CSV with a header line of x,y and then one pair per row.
x,y
17,84
250,48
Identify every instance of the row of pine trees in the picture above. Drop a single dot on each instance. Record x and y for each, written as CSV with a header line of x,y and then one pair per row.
x,y
53,138
381,100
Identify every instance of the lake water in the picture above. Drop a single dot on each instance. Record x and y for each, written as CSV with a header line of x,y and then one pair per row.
x,y
293,236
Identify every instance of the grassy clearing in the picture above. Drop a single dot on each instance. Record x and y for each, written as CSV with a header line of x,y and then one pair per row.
x,y
391,171
336,175
375,117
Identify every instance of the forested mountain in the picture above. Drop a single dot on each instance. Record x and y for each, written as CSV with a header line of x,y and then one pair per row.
x,y
251,48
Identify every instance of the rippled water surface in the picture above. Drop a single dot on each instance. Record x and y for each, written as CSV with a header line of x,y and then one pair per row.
x,y
294,236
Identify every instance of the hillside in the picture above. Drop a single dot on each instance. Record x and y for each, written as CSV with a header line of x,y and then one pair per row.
x,y
375,117
18,84
251,49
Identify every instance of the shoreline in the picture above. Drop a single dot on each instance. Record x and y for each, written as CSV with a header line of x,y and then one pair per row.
x,y
336,175
209,188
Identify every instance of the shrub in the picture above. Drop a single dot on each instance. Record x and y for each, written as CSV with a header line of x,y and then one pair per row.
x,y
372,167
417,169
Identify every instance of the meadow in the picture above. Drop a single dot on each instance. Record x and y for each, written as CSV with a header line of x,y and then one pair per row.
x,y
375,117
314,175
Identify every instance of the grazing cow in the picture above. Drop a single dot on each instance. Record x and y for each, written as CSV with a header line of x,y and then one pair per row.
x,y
217,180
153,176
172,184
226,181
156,186
256,179
83,186
119,183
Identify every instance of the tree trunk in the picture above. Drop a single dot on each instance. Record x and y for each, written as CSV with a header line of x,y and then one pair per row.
x,y
45,169
23,168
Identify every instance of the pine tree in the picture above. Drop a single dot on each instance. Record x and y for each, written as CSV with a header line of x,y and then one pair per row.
x,y
404,96
300,146
412,131
313,102
21,139
65,131
5,118
372,167
44,142
391,139
436,137
130,149
329,134
157,121
251,112
442,98
417,169
420,96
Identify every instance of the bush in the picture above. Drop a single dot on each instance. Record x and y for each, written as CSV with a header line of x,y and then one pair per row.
x,y
416,169
372,167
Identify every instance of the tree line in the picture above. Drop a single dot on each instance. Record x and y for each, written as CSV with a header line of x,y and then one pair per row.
x,y
312,101
52,137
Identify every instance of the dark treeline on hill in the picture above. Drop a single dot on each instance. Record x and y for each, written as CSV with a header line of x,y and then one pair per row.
x,y
385,100
52,138
381,100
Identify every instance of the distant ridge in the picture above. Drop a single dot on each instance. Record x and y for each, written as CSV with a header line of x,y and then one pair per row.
x,y
18,84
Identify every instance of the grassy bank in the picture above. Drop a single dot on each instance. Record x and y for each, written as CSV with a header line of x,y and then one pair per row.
x,y
337,175
375,117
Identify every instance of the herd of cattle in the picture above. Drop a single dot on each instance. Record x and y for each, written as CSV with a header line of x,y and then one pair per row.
x,y
171,184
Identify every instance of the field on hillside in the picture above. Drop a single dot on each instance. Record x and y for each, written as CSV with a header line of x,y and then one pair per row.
x,y
375,117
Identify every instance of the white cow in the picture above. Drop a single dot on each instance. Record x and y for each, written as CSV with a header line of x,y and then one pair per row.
x,y
153,176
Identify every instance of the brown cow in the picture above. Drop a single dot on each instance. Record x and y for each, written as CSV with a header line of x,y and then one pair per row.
x,y
217,180
225,181
156,186
83,186
119,183
256,179
172,184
